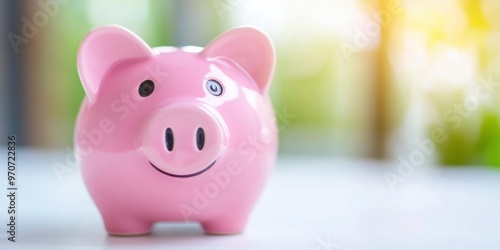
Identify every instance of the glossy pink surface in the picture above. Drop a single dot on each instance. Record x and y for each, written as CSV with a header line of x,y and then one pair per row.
x,y
212,166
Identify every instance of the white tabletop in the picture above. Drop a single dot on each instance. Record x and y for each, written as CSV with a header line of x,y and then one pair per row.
x,y
310,203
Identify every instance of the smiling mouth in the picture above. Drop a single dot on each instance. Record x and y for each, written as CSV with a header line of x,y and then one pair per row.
x,y
183,176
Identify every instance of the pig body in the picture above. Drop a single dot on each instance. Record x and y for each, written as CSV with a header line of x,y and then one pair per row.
x,y
168,134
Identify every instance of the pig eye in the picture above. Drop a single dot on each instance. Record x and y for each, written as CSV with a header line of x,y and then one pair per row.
x,y
146,88
214,87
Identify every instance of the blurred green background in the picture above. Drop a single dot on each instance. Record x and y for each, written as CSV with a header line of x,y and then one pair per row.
x,y
359,78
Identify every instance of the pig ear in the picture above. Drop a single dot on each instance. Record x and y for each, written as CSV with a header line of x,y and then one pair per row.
x,y
101,49
248,47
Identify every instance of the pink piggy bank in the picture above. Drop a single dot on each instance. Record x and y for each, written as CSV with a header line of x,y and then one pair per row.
x,y
175,134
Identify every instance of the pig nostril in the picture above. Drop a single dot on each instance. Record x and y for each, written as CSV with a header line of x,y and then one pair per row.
x,y
200,138
169,138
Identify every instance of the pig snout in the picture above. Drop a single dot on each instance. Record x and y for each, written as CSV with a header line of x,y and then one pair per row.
x,y
183,140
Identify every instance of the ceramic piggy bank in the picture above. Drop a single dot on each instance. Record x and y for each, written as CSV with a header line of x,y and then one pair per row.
x,y
175,134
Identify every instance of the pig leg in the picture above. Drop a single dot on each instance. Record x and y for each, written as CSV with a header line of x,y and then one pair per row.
x,y
226,225
126,225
